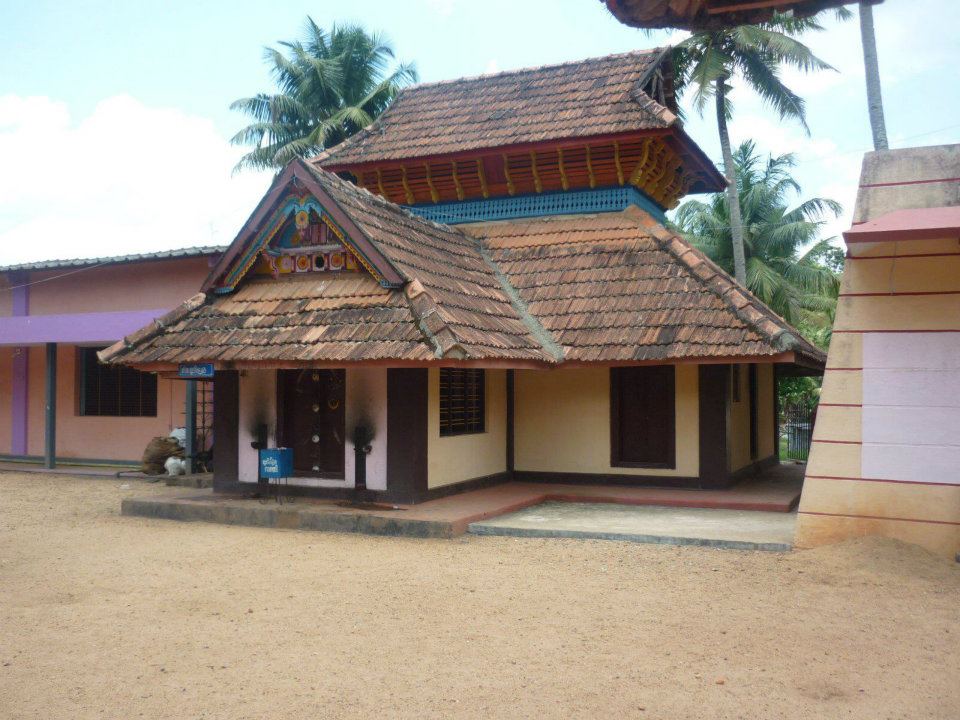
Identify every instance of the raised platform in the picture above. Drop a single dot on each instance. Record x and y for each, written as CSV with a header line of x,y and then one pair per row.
x,y
776,491
730,529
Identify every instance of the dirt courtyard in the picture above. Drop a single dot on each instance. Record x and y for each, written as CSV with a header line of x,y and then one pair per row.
x,y
103,616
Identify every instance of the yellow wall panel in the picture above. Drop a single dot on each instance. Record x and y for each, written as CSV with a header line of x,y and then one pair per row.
x,y
838,423
465,457
909,274
846,351
900,312
813,530
884,499
562,422
842,387
833,460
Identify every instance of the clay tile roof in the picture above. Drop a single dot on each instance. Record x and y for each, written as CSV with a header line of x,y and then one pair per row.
x,y
620,287
602,288
575,99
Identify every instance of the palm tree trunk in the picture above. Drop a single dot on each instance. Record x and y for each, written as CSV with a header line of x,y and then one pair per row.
x,y
733,192
874,99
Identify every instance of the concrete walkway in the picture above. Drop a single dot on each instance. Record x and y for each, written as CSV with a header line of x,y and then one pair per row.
x,y
735,529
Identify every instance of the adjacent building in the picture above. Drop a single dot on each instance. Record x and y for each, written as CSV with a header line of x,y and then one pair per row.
x,y
886,446
57,402
480,286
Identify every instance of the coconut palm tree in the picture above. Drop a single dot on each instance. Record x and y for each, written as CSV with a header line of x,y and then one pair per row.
x,y
706,62
878,126
330,85
788,266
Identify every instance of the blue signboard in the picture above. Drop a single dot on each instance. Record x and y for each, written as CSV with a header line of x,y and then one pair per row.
x,y
276,463
195,371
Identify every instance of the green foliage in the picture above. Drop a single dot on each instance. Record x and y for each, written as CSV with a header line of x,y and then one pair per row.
x,y
789,267
329,86
754,52
800,391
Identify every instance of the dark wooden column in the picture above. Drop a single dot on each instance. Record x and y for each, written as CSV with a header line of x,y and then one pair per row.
x,y
714,440
190,412
50,410
407,392
510,424
226,427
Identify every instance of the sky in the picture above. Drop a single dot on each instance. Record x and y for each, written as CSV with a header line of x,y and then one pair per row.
x,y
115,120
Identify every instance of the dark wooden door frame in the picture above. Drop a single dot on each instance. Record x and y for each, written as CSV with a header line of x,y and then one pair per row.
x,y
669,419
284,437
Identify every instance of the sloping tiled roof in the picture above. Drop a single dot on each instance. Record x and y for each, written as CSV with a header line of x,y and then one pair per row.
x,y
586,98
620,287
448,264
601,288
301,318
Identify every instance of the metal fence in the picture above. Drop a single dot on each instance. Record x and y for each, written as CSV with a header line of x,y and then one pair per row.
x,y
796,431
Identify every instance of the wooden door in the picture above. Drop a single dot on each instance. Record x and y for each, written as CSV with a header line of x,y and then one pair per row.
x,y
642,416
312,418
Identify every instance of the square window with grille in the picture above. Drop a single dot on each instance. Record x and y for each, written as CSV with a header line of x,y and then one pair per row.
x,y
114,390
462,401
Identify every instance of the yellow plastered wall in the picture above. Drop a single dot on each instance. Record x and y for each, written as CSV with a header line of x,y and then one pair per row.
x,y
465,457
740,417
562,422
740,420
765,415
837,502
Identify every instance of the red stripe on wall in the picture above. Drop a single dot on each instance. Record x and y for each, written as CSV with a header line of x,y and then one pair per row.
x,y
881,480
910,182
879,517
893,331
823,404
898,257
839,442
857,369
894,294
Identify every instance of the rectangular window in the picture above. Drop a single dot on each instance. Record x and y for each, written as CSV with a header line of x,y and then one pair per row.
x,y
114,390
643,416
462,401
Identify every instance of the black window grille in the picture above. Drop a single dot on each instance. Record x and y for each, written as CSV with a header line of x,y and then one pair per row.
x,y
114,390
462,401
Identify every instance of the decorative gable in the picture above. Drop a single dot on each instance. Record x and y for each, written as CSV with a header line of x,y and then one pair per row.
x,y
298,228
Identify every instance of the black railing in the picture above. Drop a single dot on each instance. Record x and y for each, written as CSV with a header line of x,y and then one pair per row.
x,y
796,431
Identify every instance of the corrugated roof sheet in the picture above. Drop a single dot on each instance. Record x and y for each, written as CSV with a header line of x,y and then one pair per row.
x,y
586,98
116,259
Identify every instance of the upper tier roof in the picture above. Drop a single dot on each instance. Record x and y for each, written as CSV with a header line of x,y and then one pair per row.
x,y
712,14
586,98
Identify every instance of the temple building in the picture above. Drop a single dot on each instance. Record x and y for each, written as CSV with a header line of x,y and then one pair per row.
x,y
480,286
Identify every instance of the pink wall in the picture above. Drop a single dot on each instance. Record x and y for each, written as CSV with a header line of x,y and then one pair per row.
x,y
144,285
6,409
130,286
106,438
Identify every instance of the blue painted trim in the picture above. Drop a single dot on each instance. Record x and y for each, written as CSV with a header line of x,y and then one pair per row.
x,y
574,202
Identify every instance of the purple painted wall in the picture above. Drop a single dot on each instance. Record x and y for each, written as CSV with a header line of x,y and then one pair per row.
x,y
21,371
93,327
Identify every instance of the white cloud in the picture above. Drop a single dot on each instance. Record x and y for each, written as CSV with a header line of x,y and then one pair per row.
x,y
491,67
443,8
127,178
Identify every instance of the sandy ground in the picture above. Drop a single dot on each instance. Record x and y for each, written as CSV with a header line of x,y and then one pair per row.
x,y
109,617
